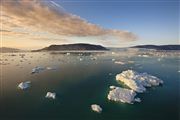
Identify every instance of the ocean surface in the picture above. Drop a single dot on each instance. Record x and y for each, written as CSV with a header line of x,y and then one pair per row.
x,y
80,80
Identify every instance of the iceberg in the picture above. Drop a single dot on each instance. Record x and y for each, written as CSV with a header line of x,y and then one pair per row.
x,y
37,69
96,108
138,81
121,95
24,85
51,95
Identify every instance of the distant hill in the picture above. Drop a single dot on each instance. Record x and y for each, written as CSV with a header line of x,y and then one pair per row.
x,y
7,49
68,47
159,47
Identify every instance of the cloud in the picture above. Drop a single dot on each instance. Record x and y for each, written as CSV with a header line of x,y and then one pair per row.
x,y
50,17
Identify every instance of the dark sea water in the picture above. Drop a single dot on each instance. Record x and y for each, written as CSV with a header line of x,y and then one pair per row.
x,y
78,84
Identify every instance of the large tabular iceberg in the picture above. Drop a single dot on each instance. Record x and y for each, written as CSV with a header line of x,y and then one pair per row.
x,y
138,81
121,95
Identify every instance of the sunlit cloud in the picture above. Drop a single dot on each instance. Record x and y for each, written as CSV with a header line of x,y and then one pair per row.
x,y
40,18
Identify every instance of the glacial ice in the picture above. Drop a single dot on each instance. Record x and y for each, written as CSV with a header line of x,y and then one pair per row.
x,y
96,108
24,85
138,81
122,95
51,95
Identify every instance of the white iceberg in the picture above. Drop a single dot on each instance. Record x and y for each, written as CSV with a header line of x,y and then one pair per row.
x,y
51,95
24,85
138,81
37,69
122,95
96,108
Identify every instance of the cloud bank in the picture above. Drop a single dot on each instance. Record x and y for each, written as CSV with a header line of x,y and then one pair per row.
x,y
30,16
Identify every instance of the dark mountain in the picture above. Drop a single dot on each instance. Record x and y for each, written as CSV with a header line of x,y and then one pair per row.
x,y
7,49
159,47
78,46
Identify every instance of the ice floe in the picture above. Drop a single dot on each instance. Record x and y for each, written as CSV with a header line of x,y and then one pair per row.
x,y
119,62
51,95
24,85
96,108
138,81
37,69
121,95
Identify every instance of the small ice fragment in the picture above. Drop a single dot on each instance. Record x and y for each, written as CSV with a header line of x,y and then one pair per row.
x,y
96,108
145,55
67,53
24,85
137,100
119,62
51,95
37,69
80,59
113,59
50,68
113,53
112,87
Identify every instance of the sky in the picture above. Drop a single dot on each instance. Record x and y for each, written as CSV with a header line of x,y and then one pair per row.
x,y
34,24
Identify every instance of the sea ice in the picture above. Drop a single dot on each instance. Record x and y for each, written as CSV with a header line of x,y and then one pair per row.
x,y
96,108
51,95
37,69
24,85
122,95
138,81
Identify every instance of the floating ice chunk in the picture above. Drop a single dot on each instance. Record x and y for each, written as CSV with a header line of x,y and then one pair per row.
x,y
24,85
137,100
119,62
80,59
138,81
93,58
37,69
121,95
51,68
113,59
51,95
68,53
96,108
145,55
112,87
